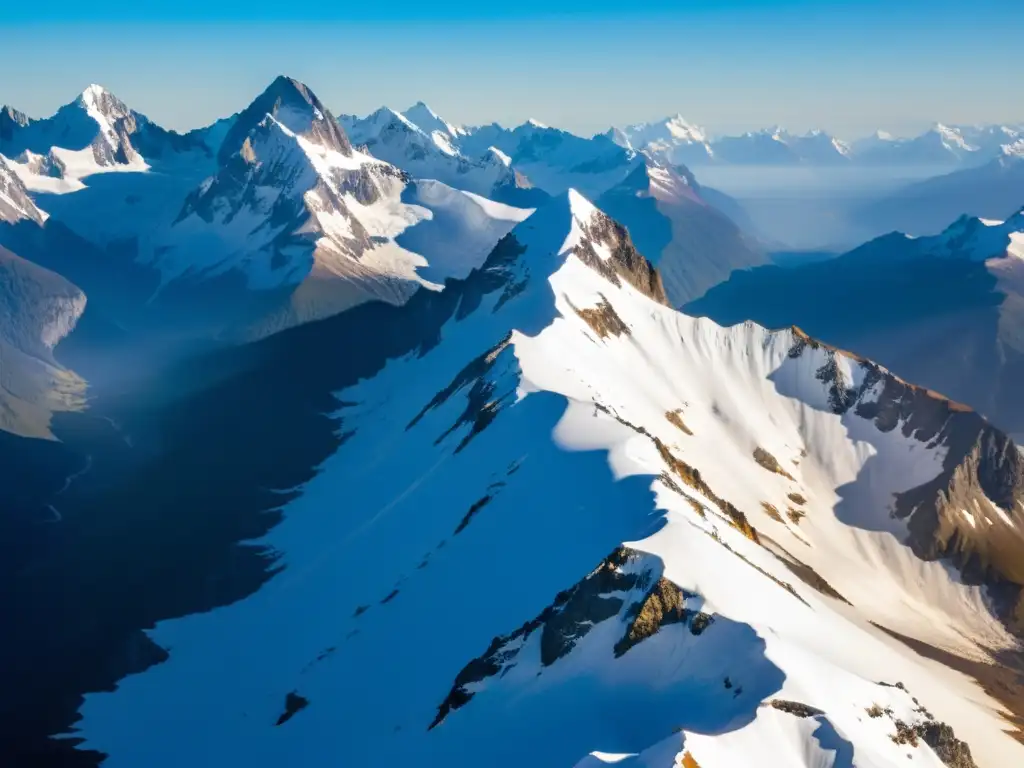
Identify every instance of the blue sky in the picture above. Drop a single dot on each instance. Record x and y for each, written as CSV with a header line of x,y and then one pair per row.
x,y
578,64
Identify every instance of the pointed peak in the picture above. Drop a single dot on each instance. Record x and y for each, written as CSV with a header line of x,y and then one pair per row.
x,y
96,97
294,105
386,113
427,120
289,88
535,123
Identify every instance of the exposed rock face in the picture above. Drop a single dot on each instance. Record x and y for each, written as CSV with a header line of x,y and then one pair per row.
x,y
664,604
675,223
486,397
624,262
15,203
973,511
603,319
951,322
769,462
627,585
293,105
950,750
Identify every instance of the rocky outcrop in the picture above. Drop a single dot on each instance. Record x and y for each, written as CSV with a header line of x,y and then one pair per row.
x,y
972,512
945,744
603,319
627,586
624,263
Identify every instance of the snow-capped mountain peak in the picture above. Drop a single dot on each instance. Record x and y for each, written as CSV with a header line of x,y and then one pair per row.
x,y
279,206
674,139
294,106
99,99
681,128
394,138
427,120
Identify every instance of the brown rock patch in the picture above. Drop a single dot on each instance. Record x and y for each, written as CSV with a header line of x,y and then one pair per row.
x,y
769,462
675,418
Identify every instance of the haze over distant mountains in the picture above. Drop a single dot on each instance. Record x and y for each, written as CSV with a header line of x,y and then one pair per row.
x,y
679,141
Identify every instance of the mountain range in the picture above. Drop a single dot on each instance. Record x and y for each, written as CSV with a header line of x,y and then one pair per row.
x,y
994,190
384,441
677,141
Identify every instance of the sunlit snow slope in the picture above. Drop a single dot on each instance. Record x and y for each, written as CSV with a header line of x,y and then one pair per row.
x,y
568,525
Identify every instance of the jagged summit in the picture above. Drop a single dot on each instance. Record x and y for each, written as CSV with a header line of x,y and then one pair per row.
x,y
296,107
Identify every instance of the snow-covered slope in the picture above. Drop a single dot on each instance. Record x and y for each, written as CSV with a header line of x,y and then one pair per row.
x,y
556,160
945,310
290,224
559,523
15,203
461,231
693,244
295,212
432,151
426,119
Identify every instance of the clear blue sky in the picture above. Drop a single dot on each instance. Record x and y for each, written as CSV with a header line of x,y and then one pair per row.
x,y
731,65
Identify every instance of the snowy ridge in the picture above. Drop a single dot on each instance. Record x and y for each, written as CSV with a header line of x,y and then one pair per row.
x,y
969,237
509,165
675,140
297,210
431,151
762,497
95,133
426,119
285,205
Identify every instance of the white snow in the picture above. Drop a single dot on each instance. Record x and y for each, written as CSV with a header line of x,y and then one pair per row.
x,y
426,152
388,500
460,231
